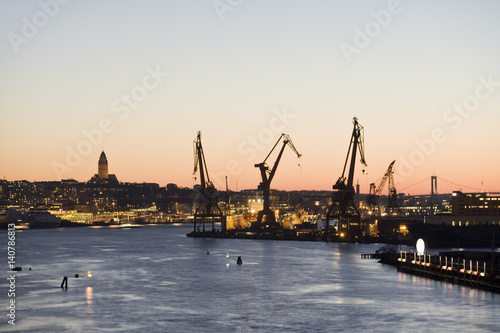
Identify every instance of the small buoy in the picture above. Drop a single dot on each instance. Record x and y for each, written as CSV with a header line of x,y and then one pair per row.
x,y
227,255
239,261
208,251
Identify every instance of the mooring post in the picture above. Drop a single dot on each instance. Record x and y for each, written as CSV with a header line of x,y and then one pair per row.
x,y
64,283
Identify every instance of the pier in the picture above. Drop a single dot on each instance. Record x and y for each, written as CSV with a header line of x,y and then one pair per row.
x,y
481,273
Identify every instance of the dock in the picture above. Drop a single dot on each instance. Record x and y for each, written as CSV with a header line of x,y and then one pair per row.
x,y
480,274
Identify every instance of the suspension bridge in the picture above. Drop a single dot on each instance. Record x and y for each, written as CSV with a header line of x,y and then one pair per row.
x,y
447,186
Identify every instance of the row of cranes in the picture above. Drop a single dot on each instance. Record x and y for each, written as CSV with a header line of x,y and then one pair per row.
x,y
207,209
343,211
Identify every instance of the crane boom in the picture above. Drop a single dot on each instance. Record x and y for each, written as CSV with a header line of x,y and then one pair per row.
x,y
286,141
200,163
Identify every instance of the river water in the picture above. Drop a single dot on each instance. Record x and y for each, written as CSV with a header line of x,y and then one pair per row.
x,y
155,279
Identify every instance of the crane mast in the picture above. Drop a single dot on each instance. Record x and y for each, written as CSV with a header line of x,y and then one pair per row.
x,y
266,217
343,208
207,209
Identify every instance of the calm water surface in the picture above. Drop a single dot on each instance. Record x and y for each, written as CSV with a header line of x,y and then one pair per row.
x,y
155,279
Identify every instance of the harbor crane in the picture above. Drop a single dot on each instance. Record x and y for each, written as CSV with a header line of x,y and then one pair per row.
x,y
375,191
343,208
207,209
266,217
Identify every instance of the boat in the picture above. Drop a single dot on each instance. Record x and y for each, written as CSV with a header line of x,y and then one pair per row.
x,y
10,216
128,225
41,219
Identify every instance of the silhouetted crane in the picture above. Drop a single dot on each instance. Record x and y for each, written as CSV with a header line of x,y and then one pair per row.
x,y
266,217
343,206
375,192
207,206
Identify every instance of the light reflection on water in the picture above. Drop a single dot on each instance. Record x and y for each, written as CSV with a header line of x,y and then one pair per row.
x,y
153,279
89,299
89,310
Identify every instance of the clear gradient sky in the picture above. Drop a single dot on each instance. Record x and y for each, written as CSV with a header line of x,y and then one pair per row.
x,y
423,78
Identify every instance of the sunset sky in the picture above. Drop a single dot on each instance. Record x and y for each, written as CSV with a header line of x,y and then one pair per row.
x,y
140,78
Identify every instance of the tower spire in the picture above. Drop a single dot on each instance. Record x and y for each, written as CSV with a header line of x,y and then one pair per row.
x,y
102,170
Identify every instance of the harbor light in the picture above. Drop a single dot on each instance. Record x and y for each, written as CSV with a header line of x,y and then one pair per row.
x,y
89,274
420,246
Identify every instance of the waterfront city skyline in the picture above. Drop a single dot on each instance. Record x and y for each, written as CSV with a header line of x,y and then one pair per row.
x,y
139,79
